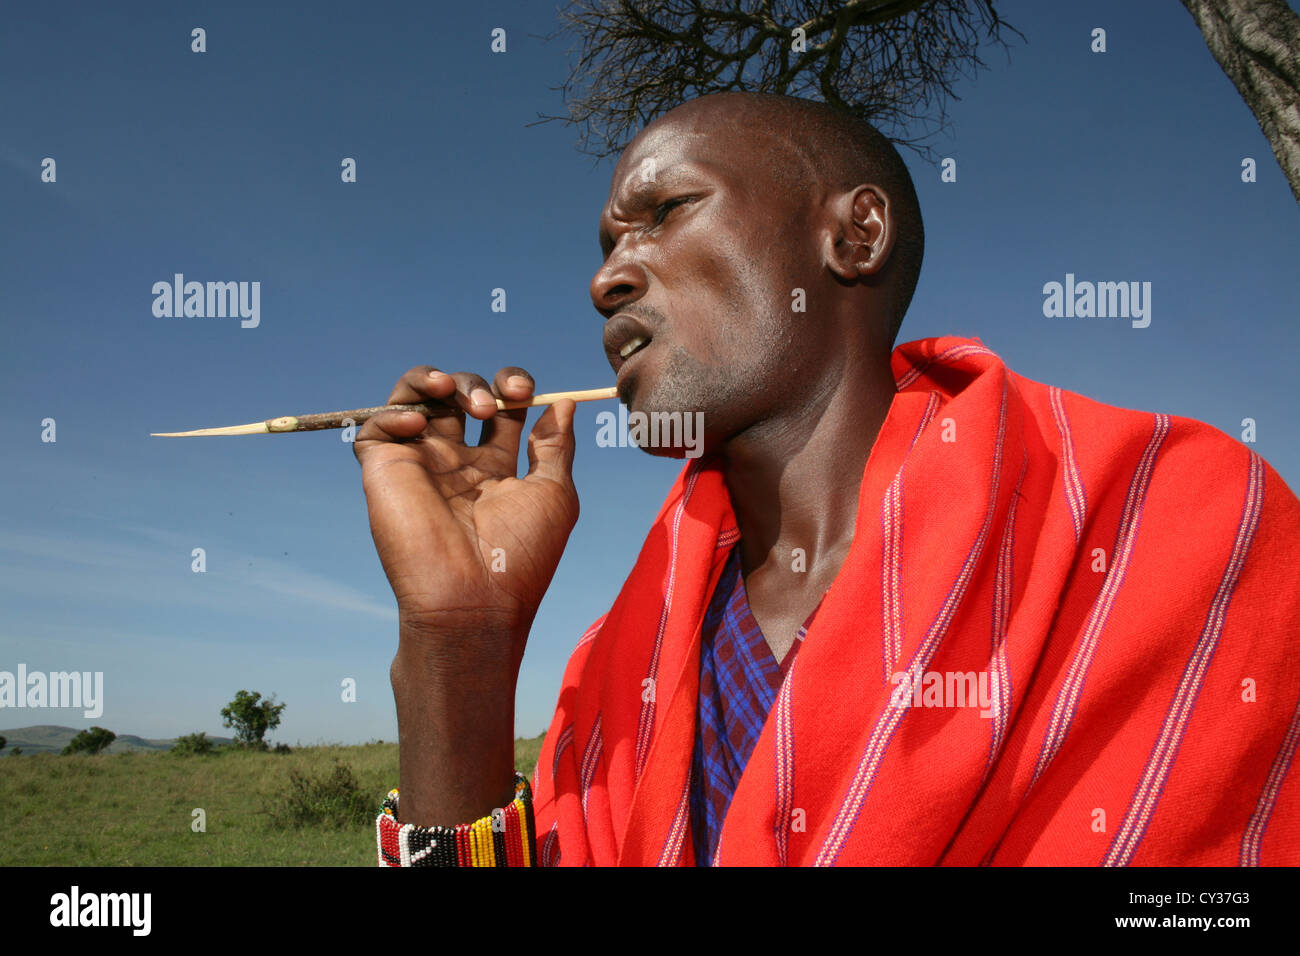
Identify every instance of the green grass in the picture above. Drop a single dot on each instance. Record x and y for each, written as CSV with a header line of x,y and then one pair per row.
x,y
135,809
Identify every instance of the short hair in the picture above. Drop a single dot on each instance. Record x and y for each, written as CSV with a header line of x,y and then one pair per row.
x,y
843,151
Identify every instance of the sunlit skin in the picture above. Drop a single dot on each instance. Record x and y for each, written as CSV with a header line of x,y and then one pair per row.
x,y
708,254
706,258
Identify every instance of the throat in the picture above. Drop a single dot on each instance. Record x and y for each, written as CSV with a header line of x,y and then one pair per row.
x,y
780,609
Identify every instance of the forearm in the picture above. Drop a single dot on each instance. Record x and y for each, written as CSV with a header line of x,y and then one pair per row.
x,y
455,718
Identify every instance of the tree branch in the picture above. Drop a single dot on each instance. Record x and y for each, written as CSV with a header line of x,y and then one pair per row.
x,y
888,61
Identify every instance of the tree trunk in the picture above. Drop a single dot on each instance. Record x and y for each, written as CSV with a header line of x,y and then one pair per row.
x,y
1257,42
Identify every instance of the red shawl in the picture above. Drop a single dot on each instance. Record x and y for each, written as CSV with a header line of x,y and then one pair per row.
x,y
1126,584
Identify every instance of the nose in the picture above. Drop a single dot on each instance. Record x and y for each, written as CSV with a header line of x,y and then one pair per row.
x,y
619,281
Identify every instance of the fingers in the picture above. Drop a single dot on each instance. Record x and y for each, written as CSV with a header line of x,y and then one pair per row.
x,y
420,384
551,443
388,427
463,391
466,393
474,395
503,429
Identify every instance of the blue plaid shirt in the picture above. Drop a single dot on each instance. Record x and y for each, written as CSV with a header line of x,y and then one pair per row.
x,y
739,681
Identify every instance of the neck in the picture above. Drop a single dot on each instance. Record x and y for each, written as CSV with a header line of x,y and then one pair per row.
x,y
794,478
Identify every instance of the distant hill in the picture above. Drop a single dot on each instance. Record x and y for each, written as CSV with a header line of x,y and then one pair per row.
x,y
48,738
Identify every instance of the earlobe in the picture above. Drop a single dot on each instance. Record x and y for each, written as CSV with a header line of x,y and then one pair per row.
x,y
840,256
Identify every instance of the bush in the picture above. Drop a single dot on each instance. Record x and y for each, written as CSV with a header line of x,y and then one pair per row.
x,y
193,745
90,741
257,746
336,800
283,749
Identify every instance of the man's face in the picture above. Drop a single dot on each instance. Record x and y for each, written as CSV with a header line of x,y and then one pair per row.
x,y
703,253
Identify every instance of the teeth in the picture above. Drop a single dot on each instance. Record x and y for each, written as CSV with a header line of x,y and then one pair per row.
x,y
631,346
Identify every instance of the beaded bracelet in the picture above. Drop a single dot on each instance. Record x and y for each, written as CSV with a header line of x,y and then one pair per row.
x,y
503,838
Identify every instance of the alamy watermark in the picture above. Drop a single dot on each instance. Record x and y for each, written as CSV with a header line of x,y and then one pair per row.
x,y
1102,300
75,908
211,300
943,689
651,430
84,689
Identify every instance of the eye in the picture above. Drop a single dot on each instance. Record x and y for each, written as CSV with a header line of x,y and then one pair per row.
x,y
662,210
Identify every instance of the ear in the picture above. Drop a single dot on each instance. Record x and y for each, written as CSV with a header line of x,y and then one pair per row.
x,y
862,233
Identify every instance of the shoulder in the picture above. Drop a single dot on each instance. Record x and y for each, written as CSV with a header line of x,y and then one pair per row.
x,y
1196,455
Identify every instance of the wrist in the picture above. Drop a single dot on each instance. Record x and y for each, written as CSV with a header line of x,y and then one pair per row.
x,y
455,742
462,629
506,837
456,623
459,639
446,661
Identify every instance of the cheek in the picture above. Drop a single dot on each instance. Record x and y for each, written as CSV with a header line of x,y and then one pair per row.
x,y
729,300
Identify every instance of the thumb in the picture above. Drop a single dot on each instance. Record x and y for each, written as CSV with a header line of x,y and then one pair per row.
x,y
551,443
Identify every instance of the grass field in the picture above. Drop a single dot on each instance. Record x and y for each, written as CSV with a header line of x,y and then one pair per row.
x,y
136,809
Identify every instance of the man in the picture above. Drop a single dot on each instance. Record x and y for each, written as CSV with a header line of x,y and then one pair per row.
x,y
907,609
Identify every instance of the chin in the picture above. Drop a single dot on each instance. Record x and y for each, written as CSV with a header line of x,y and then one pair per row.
x,y
658,451
668,407
662,429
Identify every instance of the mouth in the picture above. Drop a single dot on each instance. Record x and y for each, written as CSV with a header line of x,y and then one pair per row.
x,y
635,345
625,337
627,366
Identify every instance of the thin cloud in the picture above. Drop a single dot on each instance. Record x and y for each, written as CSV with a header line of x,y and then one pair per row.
x,y
126,571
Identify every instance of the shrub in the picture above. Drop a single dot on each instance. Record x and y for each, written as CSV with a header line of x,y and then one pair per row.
x,y
192,745
336,800
90,741
257,746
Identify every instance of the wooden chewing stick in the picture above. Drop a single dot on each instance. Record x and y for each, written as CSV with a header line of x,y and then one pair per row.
x,y
430,409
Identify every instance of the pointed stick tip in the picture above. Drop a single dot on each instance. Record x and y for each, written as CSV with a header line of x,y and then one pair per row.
x,y
255,428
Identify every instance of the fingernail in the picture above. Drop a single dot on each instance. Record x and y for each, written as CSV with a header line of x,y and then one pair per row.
x,y
481,396
436,374
518,381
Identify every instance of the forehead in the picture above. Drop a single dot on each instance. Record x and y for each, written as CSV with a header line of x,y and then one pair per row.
x,y
661,152
720,143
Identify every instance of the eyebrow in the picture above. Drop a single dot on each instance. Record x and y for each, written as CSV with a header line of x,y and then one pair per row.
x,y
638,197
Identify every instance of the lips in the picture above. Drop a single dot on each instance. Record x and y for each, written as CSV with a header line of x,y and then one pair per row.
x,y
624,337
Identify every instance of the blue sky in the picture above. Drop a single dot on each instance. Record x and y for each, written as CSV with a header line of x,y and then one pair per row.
x,y
224,166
